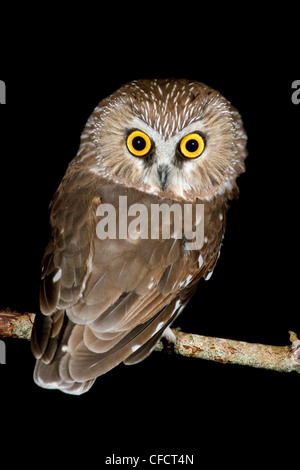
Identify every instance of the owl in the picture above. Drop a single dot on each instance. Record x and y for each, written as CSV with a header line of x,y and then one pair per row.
x,y
115,275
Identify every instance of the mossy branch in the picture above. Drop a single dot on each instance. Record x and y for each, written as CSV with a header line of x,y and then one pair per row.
x,y
279,358
16,325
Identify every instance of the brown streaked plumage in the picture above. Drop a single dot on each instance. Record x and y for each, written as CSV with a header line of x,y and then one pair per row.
x,y
108,301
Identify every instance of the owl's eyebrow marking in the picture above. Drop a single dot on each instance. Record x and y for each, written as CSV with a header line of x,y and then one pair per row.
x,y
131,129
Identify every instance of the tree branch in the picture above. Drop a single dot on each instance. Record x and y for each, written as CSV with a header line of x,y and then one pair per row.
x,y
279,358
16,325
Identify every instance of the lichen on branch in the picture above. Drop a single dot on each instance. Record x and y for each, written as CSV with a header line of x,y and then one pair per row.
x,y
16,325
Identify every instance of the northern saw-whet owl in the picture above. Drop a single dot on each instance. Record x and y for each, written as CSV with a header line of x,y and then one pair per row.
x,y
108,300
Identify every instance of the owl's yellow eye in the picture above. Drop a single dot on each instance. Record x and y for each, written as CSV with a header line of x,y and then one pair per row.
x,y
138,143
192,145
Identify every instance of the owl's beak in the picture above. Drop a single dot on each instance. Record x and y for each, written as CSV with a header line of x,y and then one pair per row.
x,y
163,172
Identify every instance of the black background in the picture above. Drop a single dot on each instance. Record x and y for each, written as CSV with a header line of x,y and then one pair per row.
x,y
56,71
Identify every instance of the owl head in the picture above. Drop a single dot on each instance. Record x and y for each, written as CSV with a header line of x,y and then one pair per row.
x,y
178,139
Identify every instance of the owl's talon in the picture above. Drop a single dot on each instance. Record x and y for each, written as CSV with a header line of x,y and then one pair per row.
x,y
295,350
169,335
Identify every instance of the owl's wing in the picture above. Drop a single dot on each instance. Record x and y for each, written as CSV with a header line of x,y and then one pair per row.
x,y
66,262
104,301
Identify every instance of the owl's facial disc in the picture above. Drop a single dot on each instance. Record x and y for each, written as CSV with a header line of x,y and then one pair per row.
x,y
164,161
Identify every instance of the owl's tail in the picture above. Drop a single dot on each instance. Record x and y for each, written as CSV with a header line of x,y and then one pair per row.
x,y
47,342
47,376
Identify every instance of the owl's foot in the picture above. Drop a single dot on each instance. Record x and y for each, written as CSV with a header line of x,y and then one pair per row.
x,y
166,342
169,335
295,347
